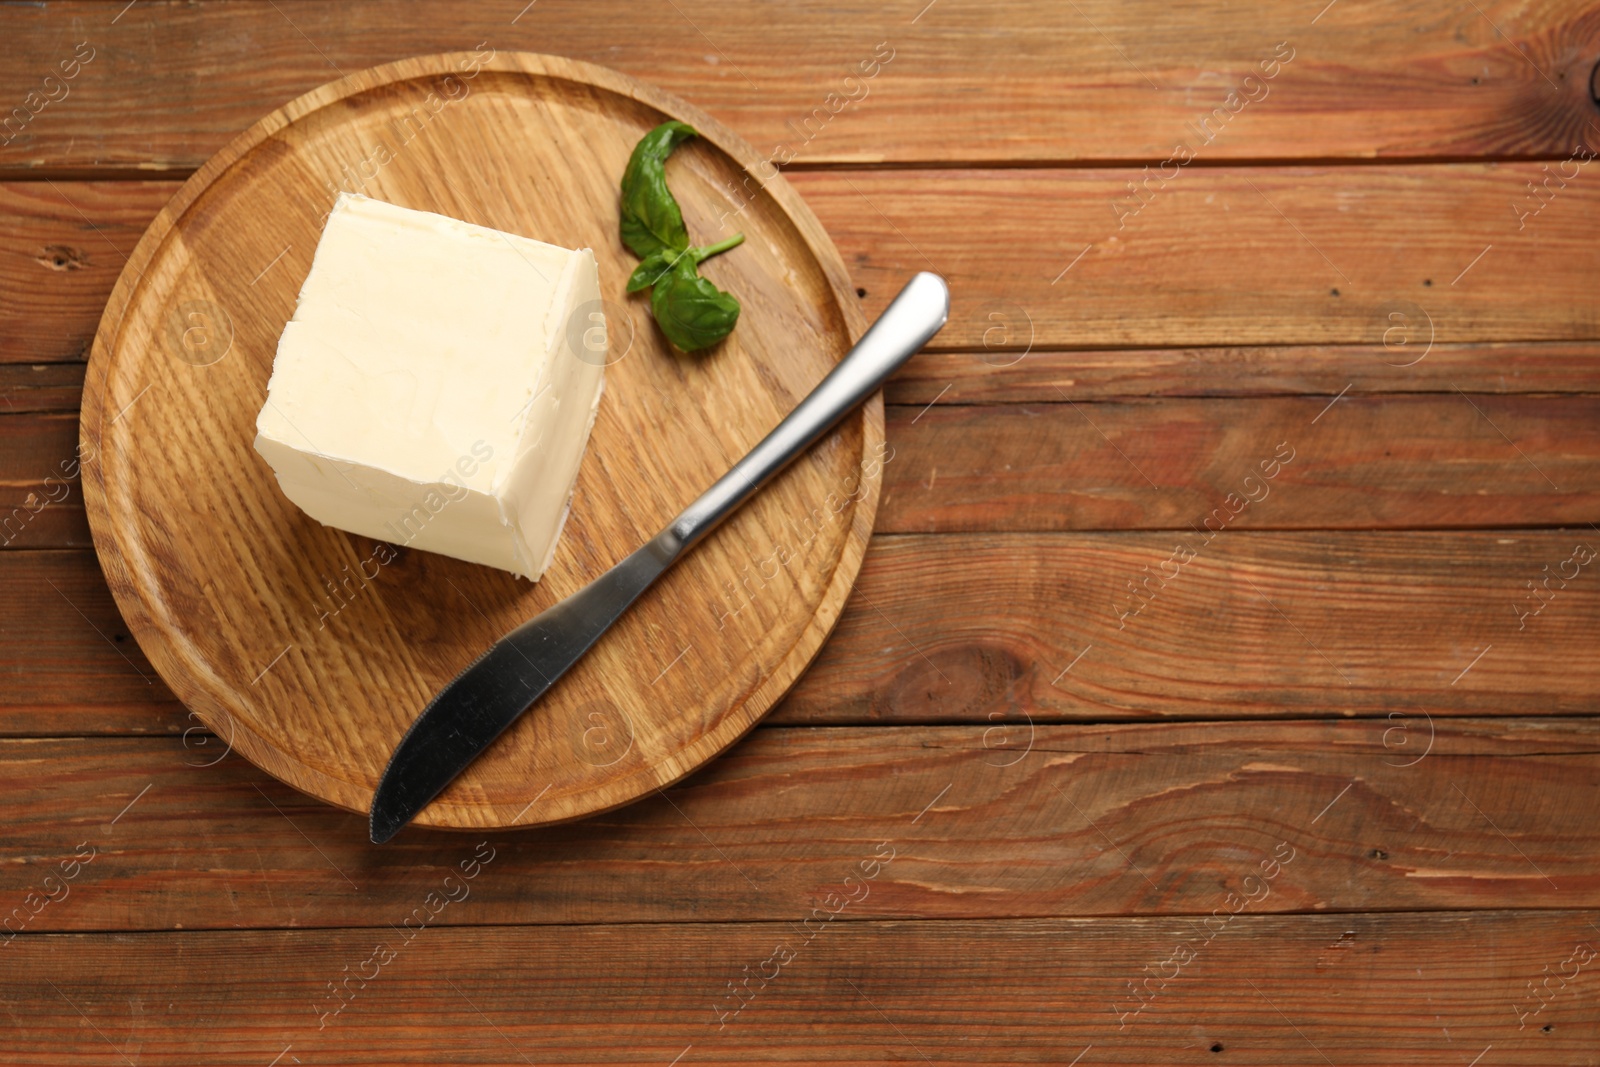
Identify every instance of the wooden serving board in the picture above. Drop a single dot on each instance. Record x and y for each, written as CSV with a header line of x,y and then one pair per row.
x,y
293,641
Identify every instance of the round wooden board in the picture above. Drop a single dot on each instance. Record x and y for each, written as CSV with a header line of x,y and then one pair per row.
x,y
289,639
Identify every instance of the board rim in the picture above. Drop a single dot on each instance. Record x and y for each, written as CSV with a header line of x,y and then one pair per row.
x,y
160,647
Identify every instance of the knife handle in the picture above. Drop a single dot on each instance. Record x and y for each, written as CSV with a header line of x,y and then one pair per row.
x,y
910,320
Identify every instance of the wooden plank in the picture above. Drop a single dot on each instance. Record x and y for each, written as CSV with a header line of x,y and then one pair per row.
x,y
40,387
1015,373
1279,990
1361,462
961,628
992,819
1221,258
1434,460
1253,625
1012,81
40,499
1227,256
51,313
67,662
62,246
41,505
1550,367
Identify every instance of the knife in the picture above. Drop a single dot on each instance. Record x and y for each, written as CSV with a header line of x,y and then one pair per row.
x,y
477,706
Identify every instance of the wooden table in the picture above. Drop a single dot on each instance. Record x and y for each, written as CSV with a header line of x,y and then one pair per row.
x,y
1220,685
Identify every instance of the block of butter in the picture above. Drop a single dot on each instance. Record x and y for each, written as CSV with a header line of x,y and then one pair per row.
x,y
437,384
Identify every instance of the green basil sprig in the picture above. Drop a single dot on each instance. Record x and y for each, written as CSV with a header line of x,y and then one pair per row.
x,y
692,312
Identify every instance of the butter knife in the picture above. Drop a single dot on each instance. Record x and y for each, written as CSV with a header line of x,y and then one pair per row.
x,y
477,706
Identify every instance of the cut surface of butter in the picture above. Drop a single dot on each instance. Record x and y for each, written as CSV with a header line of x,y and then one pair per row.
x,y
437,385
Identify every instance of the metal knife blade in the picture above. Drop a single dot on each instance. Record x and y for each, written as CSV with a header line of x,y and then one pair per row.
x,y
479,704
487,697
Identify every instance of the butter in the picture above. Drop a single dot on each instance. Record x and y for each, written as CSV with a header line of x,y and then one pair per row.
x,y
437,385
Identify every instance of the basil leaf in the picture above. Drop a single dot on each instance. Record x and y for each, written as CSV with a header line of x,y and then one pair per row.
x,y
651,219
690,310
651,269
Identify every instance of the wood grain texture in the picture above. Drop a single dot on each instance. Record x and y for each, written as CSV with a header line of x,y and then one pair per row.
x,y
1359,461
61,249
70,664
1010,81
1013,373
991,819
1331,623
41,501
40,387
1223,259
227,585
975,628
1227,256
1273,990
986,376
